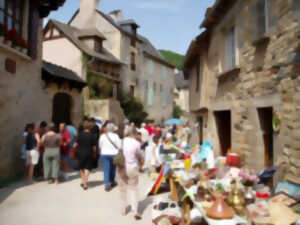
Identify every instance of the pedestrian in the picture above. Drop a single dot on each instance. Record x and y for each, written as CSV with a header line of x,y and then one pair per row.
x,y
73,135
145,136
109,145
152,158
64,149
23,150
94,129
128,176
32,153
51,159
43,128
86,153
126,127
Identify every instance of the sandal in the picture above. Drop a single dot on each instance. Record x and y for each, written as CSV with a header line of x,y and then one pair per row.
x,y
137,217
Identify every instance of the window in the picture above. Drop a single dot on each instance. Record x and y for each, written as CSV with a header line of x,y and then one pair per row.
x,y
150,66
230,49
132,61
154,86
150,97
132,91
11,13
164,101
264,17
98,45
164,73
133,42
146,91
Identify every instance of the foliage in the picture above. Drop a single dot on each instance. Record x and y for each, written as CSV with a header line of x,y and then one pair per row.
x,y
177,111
173,58
133,108
99,87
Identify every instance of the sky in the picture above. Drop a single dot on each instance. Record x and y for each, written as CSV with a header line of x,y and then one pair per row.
x,y
168,24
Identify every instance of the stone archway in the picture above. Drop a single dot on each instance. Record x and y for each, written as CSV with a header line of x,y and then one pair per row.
x,y
61,111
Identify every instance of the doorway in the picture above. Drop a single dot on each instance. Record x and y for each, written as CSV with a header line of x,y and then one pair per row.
x,y
223,121
266,119
61,112
200,122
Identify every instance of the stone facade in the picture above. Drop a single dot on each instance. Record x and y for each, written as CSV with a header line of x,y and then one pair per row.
x,y
24,99
253,82
124,42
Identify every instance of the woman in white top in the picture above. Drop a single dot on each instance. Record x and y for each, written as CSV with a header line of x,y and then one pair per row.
x,y
128,177
109,145
152,155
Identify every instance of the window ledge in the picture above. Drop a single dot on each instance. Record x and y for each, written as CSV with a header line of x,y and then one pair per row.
x,y
15,52
232,71
261,40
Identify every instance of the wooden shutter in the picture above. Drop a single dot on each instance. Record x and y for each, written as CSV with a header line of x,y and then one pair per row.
x,y
230,49
260,10
33,27
296,9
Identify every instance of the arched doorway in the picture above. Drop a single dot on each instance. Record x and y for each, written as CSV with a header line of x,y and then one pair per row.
x,y
61,112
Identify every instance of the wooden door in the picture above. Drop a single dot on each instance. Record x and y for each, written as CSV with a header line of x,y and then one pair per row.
x,y
266,118
61,112
223,121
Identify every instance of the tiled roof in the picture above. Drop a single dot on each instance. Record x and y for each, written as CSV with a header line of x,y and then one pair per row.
x,y
148,47
62,72
73,35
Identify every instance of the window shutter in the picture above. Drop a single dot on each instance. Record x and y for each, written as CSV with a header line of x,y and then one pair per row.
x,y
230,49
296,8
150,96
33,26
164,73
273,13
260,10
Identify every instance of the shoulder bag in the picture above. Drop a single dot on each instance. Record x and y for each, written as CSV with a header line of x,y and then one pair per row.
x,y
119,159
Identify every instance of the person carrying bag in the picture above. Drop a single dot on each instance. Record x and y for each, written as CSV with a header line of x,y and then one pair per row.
x,y
110,145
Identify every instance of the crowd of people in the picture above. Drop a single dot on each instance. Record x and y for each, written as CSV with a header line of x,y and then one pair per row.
x,y
53,151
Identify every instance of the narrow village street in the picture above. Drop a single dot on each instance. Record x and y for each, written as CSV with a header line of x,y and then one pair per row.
x,y
67,203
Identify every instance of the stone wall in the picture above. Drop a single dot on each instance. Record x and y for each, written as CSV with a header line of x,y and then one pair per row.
x,y
268,77
24,99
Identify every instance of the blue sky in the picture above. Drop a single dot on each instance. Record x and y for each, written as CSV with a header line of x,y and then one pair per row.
x,y
168,24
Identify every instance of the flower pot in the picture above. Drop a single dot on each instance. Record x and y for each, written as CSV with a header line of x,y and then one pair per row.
x,y
8,43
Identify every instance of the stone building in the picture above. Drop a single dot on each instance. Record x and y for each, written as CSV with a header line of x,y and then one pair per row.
x,y
83,53
181,95
31,90
244,82
143,73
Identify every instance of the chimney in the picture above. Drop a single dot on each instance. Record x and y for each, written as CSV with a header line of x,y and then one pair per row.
x,y
117,15
88,7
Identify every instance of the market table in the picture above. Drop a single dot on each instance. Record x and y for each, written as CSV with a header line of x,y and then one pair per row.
x,y
186,207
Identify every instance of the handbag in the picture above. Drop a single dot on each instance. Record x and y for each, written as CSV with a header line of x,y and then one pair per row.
x,y
119,159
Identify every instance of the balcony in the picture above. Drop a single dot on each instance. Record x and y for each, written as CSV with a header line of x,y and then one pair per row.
x,y
17,51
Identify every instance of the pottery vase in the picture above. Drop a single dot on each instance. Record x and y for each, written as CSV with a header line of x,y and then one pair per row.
x,y
220,210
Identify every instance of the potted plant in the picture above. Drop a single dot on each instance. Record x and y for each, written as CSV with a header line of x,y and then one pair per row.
x,y
11,38
3,31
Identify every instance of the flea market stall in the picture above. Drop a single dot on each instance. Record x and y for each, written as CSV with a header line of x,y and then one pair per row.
x,y
204,189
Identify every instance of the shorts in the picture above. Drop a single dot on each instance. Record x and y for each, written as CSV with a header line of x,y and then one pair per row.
x,y
32,157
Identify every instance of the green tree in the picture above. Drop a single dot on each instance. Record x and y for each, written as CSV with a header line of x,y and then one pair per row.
x,y
133,108
177,112
174,58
